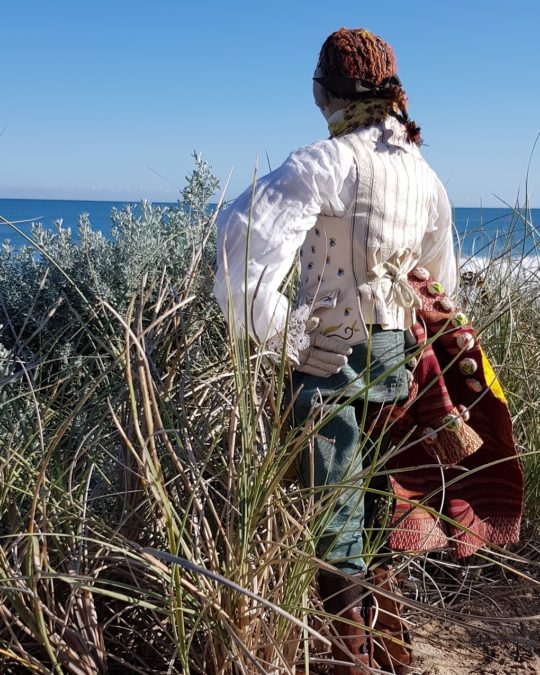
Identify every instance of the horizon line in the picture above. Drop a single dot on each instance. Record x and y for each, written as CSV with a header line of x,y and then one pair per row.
x,y
161,201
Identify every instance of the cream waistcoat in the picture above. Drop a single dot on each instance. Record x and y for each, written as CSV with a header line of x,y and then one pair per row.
x,y
366,201
353,269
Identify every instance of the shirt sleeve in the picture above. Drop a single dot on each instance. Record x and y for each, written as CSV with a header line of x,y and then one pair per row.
x,y
437,253
265,226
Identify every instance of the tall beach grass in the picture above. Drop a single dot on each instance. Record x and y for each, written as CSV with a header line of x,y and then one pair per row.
x,y
150,519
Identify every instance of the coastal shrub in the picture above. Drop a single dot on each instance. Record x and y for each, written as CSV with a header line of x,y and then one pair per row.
x,y
61,278
55,294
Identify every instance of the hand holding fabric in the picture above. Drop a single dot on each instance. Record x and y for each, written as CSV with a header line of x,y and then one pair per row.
x,y
325,356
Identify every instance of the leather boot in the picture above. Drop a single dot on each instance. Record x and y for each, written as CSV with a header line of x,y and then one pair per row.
x,y
392,648
350,643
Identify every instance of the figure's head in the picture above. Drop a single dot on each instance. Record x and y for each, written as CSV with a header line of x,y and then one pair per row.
x,y
354,64
355,54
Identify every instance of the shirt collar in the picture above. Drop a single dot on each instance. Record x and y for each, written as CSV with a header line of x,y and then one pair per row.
x,y
388,134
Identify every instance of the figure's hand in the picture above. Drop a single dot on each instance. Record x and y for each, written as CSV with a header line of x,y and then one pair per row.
x,y
325,356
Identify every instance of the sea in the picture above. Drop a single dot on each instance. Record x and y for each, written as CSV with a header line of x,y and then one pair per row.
x,y
480,231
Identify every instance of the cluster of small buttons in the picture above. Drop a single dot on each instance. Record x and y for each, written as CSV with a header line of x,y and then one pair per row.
x,y
467,366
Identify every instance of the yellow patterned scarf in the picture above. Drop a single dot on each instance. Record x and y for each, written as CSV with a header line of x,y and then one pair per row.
x,y
361,114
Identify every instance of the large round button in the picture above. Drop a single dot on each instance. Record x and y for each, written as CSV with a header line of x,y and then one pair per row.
x,y
465,341
468,366
474,385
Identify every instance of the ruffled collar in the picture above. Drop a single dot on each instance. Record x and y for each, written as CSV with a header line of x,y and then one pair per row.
x,y
388,135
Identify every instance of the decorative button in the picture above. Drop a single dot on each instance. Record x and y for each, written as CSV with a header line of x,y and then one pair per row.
x,y
474,385
317,232
446,304
332,242
452,422
421,273
459,320
429,435
465,341
468,366
328,260
464,412
435,288
412,362
340,272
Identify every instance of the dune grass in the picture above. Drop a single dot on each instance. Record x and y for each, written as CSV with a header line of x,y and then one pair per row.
x,y
150,521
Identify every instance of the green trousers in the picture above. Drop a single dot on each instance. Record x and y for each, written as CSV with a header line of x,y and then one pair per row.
x,y
341,451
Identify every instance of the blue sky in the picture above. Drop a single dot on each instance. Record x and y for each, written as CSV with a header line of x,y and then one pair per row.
x,y
99,97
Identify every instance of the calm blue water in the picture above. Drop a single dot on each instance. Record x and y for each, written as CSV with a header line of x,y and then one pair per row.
x,y
46,211
483,228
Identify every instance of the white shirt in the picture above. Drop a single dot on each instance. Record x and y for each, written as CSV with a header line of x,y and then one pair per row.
x,y
269,221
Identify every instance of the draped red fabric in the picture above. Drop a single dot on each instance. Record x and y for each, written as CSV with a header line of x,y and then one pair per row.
x,y
457,479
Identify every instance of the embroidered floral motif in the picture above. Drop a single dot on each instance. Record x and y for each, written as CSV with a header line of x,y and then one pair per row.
x,y
348,331
332,329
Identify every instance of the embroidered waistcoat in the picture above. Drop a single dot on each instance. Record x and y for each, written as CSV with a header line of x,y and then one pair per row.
x,y
353,269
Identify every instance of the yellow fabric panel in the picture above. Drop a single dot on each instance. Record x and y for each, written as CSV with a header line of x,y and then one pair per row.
x,y
492,380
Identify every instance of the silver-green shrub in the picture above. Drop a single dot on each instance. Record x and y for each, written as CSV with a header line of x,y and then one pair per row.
x,y
50,293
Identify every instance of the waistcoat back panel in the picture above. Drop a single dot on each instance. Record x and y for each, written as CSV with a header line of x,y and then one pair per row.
x,y
351,266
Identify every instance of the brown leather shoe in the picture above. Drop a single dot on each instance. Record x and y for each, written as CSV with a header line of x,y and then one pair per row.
x,y
350,642
393,648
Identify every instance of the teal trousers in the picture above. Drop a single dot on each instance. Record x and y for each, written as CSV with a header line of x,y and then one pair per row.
x,y
334,464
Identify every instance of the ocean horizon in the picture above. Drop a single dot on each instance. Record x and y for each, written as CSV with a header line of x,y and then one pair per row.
x,y
478,229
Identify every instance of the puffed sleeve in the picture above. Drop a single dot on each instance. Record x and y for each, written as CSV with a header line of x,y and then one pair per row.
x,y
437,254
264,228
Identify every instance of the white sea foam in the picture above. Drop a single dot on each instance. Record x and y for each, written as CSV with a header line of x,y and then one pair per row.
x,y
479,269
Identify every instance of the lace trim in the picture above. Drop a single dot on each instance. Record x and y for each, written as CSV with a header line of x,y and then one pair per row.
x,y
297,338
